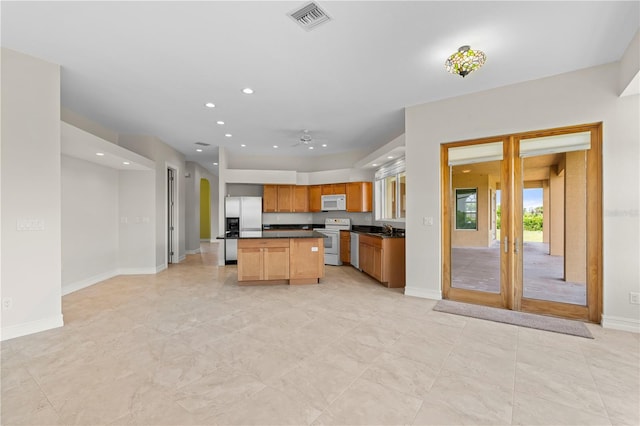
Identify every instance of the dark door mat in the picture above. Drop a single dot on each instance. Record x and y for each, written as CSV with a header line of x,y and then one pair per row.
x,y
522,319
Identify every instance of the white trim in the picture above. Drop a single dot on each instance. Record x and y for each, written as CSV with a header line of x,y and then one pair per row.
x,y
138,271
79,285
420,292
31,327
620,323
160,268
196,251
181,258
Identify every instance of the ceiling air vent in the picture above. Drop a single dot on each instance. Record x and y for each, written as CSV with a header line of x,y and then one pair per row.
x,y
202,143
309,16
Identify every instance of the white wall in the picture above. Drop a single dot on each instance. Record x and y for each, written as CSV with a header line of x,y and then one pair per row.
x,y
584,96
164,157
89,223
30,190
136,221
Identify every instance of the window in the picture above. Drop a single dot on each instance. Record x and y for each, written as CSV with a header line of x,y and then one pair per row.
x,y
467,208
391,191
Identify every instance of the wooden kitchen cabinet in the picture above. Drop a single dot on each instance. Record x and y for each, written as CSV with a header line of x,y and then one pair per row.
x,y
359,196
285,199
383,259
345,247
263,259
300,202
334,189
315,194
306,260
270,198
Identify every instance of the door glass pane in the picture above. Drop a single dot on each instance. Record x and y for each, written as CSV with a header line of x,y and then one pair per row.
x,y
554,222
475,244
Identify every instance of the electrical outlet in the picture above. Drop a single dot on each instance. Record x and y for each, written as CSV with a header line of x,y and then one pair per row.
x,y
634,298
7,303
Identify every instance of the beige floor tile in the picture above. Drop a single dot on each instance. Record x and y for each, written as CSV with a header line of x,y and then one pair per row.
x,y
268,407
565,389
189,346
401,374
369,403
460,399
530,410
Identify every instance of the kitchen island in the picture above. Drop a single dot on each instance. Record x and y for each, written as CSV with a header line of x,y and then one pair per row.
x,y
280,257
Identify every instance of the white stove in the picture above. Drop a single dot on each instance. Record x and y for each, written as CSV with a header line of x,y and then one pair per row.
x,y
331,232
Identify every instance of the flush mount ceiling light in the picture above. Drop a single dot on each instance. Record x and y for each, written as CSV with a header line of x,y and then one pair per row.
x,y
247,91
100,154
210,105
228,135
215,164
199,149
465,61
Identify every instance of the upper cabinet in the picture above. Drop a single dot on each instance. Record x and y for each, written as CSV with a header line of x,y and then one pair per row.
x,y
315,192
303,198
334,189
285,199
359,198
270,199
300,202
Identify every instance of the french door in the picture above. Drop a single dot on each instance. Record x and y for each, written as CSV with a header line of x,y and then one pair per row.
x,y
522,221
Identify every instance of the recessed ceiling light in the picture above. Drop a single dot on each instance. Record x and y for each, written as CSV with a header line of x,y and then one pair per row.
x,y
310,147
100,154
220,122
374,164
228,135
275,146
247,91
210,105
390,157
199,150
242,145
126,163
215,164
324,145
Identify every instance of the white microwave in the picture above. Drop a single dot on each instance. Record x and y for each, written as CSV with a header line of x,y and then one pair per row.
x,y
334,202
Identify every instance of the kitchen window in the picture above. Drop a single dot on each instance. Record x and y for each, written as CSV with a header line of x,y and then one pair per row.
x,y
391,191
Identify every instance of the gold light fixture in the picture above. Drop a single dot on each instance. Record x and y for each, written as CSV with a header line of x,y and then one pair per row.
x,y
465,61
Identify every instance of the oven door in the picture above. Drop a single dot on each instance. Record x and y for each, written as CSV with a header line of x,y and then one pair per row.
x,y
331,240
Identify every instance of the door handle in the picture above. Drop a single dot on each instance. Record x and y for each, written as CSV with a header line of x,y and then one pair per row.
x,y
506,244
516,249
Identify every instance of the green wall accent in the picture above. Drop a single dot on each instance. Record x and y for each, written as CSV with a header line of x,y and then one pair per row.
x,y
205,210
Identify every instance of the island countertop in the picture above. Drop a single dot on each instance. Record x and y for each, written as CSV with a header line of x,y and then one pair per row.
x,y
280,234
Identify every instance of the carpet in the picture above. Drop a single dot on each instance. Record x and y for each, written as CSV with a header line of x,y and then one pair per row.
x,y
522,319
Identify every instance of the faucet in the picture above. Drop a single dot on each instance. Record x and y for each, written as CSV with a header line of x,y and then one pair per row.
x,y
388,229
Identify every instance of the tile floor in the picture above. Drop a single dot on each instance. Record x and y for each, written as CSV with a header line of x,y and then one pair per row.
x,y
189,347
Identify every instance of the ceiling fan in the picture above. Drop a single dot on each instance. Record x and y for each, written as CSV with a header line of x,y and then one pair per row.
x,y
306,140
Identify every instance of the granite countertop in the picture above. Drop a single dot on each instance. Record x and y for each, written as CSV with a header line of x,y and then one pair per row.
x,y
380,234
281,234
377,231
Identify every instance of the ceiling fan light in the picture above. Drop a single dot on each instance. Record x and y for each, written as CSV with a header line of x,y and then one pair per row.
x,y
465,61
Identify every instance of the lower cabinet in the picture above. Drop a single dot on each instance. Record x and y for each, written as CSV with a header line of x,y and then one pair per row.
x,y
345,246
263,260
296,260
383,259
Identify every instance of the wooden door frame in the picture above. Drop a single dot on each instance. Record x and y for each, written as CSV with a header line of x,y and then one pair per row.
x,y
511,284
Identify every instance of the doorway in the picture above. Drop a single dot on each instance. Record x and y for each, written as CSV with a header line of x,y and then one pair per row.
x,y
522,222
171,214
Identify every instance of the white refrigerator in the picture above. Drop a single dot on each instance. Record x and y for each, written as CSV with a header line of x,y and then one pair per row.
x,y
249,212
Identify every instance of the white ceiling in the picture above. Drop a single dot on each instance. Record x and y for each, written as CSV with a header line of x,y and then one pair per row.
x,y
149,67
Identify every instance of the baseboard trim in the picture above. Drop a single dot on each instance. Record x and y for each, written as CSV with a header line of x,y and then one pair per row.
x,y
620,323
79,285
181,258
137,271
420,292
31,327
160,268
196,251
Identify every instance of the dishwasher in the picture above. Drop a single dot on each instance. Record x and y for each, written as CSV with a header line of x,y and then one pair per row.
x,y
355,250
